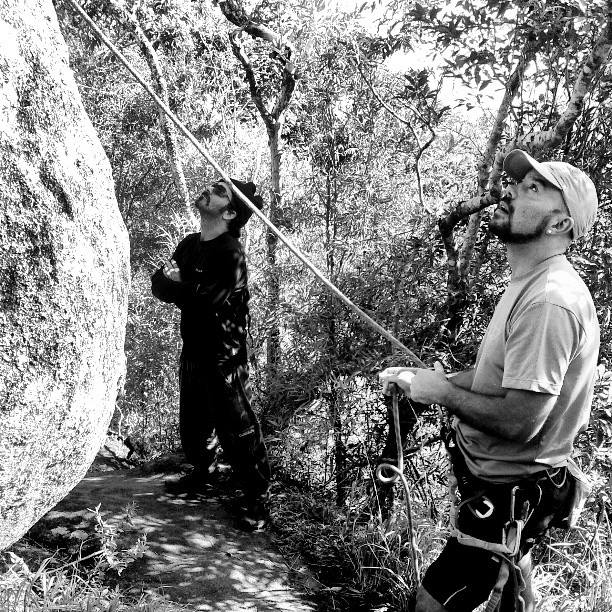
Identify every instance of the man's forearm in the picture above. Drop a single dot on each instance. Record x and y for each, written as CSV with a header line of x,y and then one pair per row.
x,y
483,412
163,288
517,415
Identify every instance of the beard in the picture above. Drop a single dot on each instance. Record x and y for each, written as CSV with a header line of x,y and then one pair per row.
x,y
203,207
201,204
502,228
207,212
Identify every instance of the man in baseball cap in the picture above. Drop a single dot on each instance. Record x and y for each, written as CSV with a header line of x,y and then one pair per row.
x,y
577,189
518,411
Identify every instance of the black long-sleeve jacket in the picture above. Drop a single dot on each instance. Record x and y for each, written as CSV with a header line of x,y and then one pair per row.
x,y
212,297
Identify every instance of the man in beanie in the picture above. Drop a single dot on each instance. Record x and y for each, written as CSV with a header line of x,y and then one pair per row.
x,y
517,413
206,278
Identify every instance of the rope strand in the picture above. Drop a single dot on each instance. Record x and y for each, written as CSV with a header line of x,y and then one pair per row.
x,y
330,286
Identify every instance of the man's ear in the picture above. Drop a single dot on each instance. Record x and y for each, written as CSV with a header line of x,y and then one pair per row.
x,y
565,225
229,214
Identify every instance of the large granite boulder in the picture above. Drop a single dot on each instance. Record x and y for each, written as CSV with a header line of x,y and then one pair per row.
x,y
64,273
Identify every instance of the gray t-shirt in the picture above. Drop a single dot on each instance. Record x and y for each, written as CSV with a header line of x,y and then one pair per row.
x,y
543,337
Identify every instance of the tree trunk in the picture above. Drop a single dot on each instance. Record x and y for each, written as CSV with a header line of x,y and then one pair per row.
x,y
64,273
273,280
335,405
340,462
160,86
235,12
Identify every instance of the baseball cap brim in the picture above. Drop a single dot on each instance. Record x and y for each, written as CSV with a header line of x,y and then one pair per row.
x,y
518,163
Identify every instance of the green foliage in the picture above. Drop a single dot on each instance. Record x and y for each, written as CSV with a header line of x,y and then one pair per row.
x,y
84,540
352,562
147,410
114,554
54,590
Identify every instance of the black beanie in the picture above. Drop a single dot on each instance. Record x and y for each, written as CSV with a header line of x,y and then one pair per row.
x,y
243,212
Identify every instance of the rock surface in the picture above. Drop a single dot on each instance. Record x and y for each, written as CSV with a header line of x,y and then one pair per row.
x,y
64,273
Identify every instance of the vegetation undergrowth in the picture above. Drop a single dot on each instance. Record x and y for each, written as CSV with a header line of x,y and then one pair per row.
x,y
360,553
80,575
574,571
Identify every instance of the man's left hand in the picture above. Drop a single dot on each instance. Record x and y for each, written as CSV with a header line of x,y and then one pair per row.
x,y
430,386
172,271
420,385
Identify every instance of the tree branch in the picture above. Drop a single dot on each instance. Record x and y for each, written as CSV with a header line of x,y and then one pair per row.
x,y
457,258
597,58
234,12
420,147
256,96
286,91
548,138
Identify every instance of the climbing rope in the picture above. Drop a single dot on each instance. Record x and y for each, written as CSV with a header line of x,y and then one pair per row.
x,y
226,178
398,473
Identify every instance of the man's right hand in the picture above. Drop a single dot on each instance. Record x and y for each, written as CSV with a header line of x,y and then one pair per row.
x,y
172,271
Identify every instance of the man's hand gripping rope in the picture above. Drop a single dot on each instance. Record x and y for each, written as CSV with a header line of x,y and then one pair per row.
x,y
404,378
419,384
424,386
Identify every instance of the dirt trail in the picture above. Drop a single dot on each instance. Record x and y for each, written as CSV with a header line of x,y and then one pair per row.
x,y
196,556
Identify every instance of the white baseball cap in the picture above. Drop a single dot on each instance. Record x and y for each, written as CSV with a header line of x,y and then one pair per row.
x,y
576,187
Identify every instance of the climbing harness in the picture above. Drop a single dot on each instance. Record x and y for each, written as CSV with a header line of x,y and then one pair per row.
x,y
398,473
514,505
226,178
506,551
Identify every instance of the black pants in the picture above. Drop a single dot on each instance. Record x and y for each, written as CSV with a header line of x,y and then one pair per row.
x,y
215,404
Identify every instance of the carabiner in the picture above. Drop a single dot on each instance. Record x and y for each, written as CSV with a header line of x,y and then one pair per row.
x,y
488,512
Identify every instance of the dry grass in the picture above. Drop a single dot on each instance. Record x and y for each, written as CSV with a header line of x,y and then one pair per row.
x,y
575,573
77,581
65,589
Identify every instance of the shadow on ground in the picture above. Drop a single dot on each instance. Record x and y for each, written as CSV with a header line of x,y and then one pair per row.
x,y
195,553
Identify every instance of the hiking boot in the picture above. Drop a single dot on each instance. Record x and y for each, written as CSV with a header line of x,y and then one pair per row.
x,y
194,482
255,517
236,505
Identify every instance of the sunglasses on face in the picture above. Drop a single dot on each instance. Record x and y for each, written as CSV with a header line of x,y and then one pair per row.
x,y
220,190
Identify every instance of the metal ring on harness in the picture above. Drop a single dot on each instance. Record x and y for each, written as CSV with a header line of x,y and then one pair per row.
x,y
487,513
